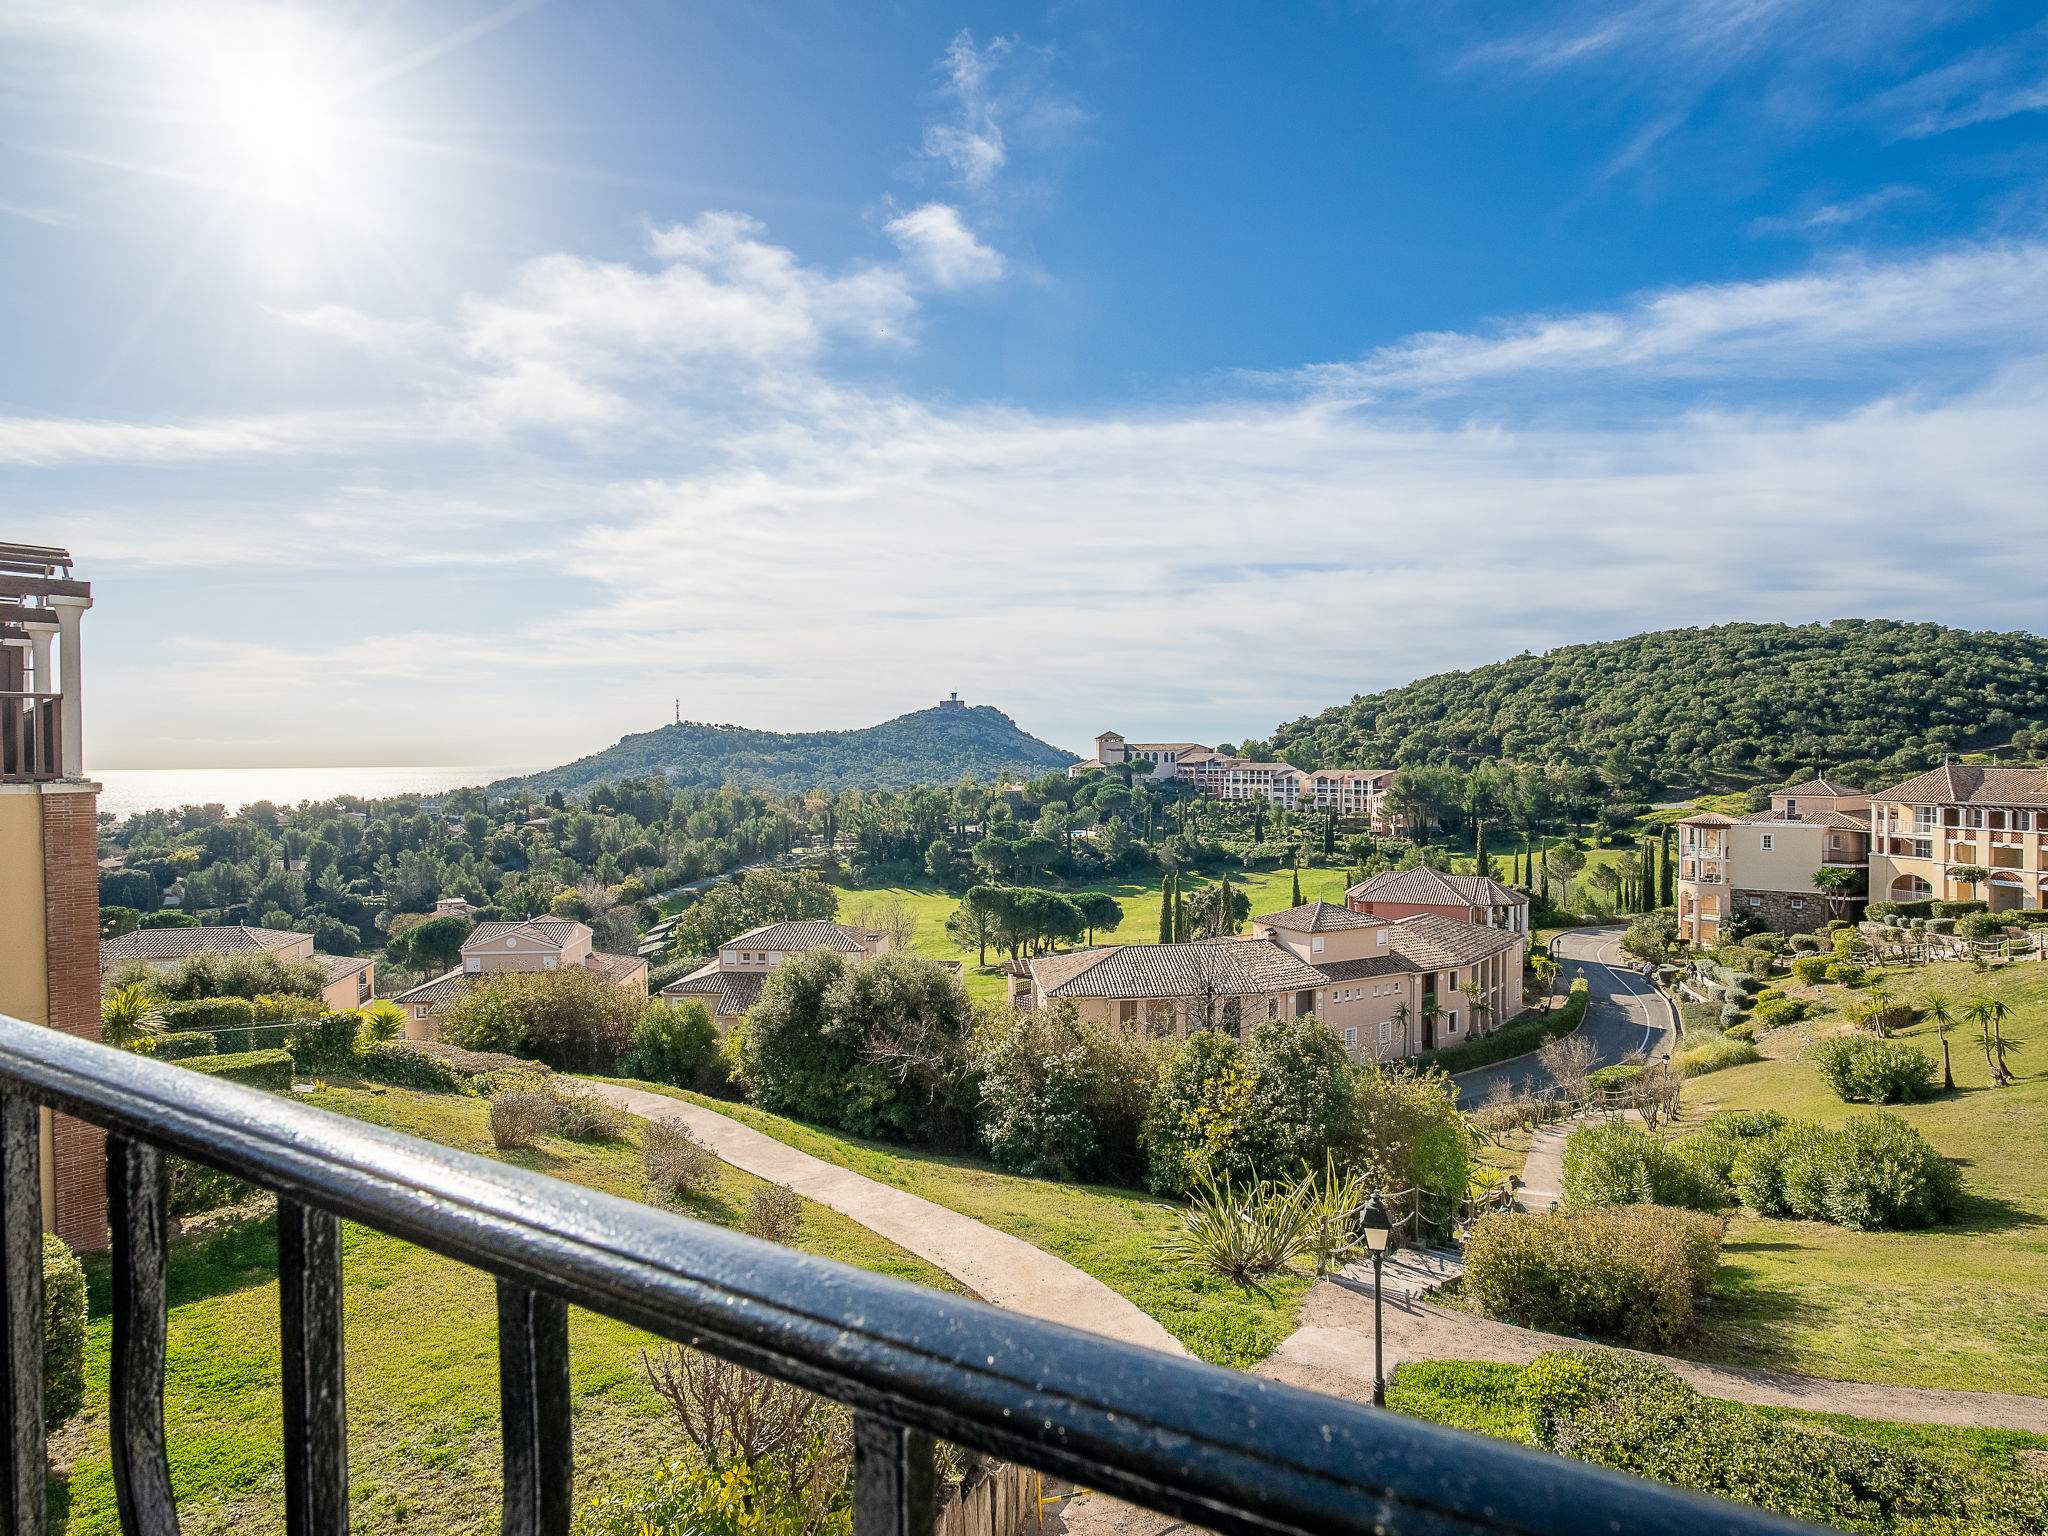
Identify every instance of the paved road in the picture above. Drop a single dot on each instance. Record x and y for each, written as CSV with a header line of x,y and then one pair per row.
x,y
1625,1014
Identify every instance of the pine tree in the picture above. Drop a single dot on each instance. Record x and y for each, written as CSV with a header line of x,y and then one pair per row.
x,y
1180,914
1166,892
1479,865
1297,885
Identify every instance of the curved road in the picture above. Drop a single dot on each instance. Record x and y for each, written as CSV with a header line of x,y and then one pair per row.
x,y
1625,1013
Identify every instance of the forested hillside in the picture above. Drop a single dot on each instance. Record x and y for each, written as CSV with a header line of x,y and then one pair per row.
x,y
928,746
1868,700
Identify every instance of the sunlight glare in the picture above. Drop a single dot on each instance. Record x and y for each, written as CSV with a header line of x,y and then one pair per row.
x,y
267,102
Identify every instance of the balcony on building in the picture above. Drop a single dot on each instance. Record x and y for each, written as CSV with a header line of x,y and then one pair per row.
x,y
40,672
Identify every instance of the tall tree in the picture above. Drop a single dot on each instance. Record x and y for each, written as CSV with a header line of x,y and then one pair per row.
x,y
1166,890
1297,883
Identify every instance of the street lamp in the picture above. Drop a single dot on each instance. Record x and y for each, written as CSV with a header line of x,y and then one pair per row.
x,y
1373,1222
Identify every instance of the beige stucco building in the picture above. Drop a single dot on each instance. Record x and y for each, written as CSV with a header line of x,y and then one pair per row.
x,y
1955,817
540,944
1350,792
351,979
1763,865
731,982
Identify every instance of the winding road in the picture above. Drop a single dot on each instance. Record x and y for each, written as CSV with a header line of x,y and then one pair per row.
x,y
1625,1013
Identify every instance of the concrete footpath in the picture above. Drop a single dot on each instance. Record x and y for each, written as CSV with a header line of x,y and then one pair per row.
x,y
1002,1269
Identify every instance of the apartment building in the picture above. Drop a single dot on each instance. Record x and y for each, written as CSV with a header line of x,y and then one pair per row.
x,y
1476,899
540,944
1388,988
1763,865
351,979
1956,817
49,871
1350,792
731,982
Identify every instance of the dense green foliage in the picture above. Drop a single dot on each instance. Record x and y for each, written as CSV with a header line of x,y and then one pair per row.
x,y
670,1045
1628,1273
1880,1071
1616,1162
1868,700
1876,1171
1060,1098
927,746
257,1069
573,1019
63,1333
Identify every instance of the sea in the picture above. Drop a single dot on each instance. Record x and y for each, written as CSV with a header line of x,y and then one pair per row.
x,y
124,791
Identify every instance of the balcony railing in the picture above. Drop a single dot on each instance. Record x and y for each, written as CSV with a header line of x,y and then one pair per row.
x,y
31,746
1213,1447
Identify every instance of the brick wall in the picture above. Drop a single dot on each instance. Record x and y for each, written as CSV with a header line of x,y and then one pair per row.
x,y
71,908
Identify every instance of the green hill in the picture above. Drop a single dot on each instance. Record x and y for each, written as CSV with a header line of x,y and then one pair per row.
x,y
1873,700
927,746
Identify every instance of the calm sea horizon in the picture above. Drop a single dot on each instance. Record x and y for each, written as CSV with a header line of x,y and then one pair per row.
x,y
126,791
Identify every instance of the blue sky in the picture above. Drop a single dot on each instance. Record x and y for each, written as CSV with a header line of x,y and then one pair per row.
x,y
444,382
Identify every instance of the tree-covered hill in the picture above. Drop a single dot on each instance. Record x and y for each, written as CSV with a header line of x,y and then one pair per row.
x,y
927,746
1870,700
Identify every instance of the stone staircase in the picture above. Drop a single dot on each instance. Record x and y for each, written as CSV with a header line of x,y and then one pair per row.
x,y
1410,1274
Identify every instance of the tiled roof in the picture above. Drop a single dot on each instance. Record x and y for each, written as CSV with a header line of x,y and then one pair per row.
x,y
1816,787
1708,819
1846,821
1967,784
1318,917
441,991
728,992
341,967
786,938
558,931
1422,887
620,967
1431,942
1389,964
1226,968
177,943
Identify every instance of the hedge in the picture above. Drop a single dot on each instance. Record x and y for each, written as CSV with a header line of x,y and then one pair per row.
x,y
1616,1163
175,1045
1628,1272
1517,1039
407,1066
227,1019
1876,1172
259,1069
1715,1055
63,1333
1882,1071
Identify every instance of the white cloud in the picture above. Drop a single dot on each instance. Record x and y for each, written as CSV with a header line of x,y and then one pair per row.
x,y
972,144
1983,86
940,246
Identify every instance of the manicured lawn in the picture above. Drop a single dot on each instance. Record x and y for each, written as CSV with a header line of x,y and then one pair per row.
x,y
422,1357
1479,1395
1953,1306
1106,1231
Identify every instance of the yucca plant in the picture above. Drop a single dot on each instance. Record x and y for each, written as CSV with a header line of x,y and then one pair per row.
x,y
1243,1235
128,1014
1332,1203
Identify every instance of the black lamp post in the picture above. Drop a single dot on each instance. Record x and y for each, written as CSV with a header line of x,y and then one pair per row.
x,y
1373,1222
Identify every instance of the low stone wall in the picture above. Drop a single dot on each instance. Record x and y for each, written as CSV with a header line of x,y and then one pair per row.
x,y
1002,1503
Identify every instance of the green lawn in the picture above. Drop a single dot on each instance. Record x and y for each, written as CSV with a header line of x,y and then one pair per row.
x,y
1106,1231
422,1357
1955,1306
1479,1395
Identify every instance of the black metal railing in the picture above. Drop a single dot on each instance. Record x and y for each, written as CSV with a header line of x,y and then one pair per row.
x,y
1214,1447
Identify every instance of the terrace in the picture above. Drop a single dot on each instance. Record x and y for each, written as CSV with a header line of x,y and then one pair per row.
x,y
39,704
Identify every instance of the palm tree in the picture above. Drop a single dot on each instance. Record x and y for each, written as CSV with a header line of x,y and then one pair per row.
x,y
1475,1000
1880,1003
1401,1016
1988,1013
1431,1012
1935,1008
127,1015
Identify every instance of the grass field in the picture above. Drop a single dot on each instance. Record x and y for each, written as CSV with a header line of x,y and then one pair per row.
x,y
1105,1231
1954,1306
422,1357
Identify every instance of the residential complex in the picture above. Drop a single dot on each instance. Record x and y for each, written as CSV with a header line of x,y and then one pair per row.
x,y
1956,817
1350,792
1387,987
1763,865
731,982
49,862
541,944
1476,899
351,979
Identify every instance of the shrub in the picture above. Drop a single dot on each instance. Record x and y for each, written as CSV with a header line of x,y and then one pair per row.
x,y
245,975
1941,925
1061,1098
407,1066
1731,1013
1408,1134
1281,1102
63,1333
1608,1079
520,1117
327,1042
1715,1055
1875,1172
226,1018
670,1044
1741,1029
774,1212
573,1019
196,1188
1803,943
1242,1234
175,1046
1639,1416
1886,1072
678,1164
583,1114
1517,1039
1770,995
383,1020
1847,973
1980,925
1714,1148
1955,909
1626,1272
1811,970
1778,1012
257,1069
1617,1163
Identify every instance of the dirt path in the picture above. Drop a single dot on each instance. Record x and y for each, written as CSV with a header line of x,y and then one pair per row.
x,y
1006,1270
1332,1352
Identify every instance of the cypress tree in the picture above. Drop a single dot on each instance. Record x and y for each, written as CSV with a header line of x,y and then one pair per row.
x,y
1297,885
1166,883
1180,914
1479,849
1670,891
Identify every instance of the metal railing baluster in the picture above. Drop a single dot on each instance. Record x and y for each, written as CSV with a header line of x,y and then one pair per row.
x,y
24,1500
138,1214
309,1309
533,1396
893,1479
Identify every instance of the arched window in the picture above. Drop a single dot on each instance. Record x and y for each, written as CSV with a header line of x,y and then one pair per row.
x,y
1911,888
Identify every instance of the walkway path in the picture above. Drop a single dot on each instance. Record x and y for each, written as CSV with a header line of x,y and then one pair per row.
x,y
1332,1352
1004,1269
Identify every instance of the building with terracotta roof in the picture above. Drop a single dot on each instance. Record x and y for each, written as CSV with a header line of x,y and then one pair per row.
x,y
538,944
351,979
730,982
1477,899
1387,987
1351,792
1762,865
1957,816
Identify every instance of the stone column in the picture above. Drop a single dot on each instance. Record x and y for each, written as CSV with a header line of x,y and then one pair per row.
x,y
39,659
69,610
